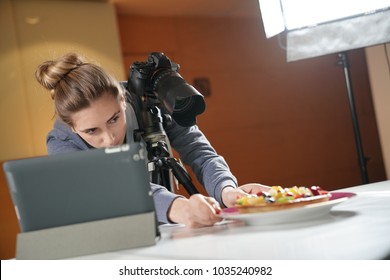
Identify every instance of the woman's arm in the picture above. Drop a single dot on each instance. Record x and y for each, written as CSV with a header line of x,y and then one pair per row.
x,y
196,151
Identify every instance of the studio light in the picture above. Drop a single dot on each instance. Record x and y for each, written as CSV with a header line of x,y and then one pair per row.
x,y
316,28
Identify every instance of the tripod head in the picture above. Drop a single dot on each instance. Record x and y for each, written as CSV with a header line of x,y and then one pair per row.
x,y
152,124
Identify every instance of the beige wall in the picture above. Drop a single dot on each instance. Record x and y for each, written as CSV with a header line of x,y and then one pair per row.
x,y
15,140
379,72
26,110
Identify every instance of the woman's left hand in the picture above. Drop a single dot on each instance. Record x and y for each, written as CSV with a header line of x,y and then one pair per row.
x,y
230,194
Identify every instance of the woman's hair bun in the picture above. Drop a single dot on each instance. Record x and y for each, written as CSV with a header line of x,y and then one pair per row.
x,y
49,73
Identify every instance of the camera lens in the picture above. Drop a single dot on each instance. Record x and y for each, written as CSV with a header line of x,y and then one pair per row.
x,y
181,99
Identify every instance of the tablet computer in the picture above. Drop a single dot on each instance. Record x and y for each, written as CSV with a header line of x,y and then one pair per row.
x,y
77,187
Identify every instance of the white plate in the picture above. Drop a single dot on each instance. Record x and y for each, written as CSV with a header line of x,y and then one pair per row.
x,y
292,215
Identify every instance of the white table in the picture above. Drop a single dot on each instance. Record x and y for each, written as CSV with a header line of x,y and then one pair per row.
x,y
358,228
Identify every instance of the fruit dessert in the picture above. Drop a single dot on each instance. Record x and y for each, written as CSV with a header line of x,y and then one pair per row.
x,y
279,198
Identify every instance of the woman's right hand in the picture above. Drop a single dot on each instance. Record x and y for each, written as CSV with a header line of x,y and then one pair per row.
x,y
197,211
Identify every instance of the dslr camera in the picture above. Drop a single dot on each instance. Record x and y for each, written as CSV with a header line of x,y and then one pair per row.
x,y
158,77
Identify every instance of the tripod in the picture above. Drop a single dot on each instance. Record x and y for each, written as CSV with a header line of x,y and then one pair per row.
x,y
159,156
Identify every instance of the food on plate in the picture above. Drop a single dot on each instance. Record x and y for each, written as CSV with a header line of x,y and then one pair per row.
x,y
279,198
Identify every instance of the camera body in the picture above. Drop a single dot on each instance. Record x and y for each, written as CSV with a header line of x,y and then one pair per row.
x,y
158,77
144,76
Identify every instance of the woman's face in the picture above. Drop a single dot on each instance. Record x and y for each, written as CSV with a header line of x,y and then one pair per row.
x,y
103,124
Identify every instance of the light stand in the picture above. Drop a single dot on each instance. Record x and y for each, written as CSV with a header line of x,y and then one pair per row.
x,y
362,160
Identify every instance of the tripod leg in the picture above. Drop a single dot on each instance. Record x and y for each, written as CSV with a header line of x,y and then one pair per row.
x,y
161,177
182,176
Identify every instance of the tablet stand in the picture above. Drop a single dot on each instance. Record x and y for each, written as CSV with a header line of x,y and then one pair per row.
x,y
88,238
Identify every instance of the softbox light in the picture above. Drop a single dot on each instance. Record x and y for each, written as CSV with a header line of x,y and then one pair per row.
x,y
321,27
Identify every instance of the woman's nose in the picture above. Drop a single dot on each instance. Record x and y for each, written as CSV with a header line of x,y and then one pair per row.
x,y
109,139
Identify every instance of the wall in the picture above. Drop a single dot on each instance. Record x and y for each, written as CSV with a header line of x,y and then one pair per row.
x,y
27,45
26,110
274,122
379,73
16,140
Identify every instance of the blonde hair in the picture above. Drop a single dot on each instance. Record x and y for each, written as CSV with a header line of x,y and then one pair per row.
x,y
74,84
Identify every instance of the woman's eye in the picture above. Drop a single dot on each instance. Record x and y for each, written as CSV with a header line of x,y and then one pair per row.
x,y
114,120
90,131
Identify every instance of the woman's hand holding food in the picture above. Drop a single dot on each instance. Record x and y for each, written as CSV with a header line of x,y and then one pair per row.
x,y
230,194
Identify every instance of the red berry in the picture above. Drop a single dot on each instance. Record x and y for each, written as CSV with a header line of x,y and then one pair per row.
x,y
316,190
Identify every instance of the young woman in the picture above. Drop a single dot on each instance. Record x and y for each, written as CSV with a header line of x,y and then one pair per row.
x,y
94,111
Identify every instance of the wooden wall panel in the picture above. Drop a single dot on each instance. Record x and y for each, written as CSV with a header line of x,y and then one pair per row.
x,y
274,122
9,224
140,34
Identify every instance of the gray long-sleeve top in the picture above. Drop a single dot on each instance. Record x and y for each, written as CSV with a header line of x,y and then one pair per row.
x,y
194,149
